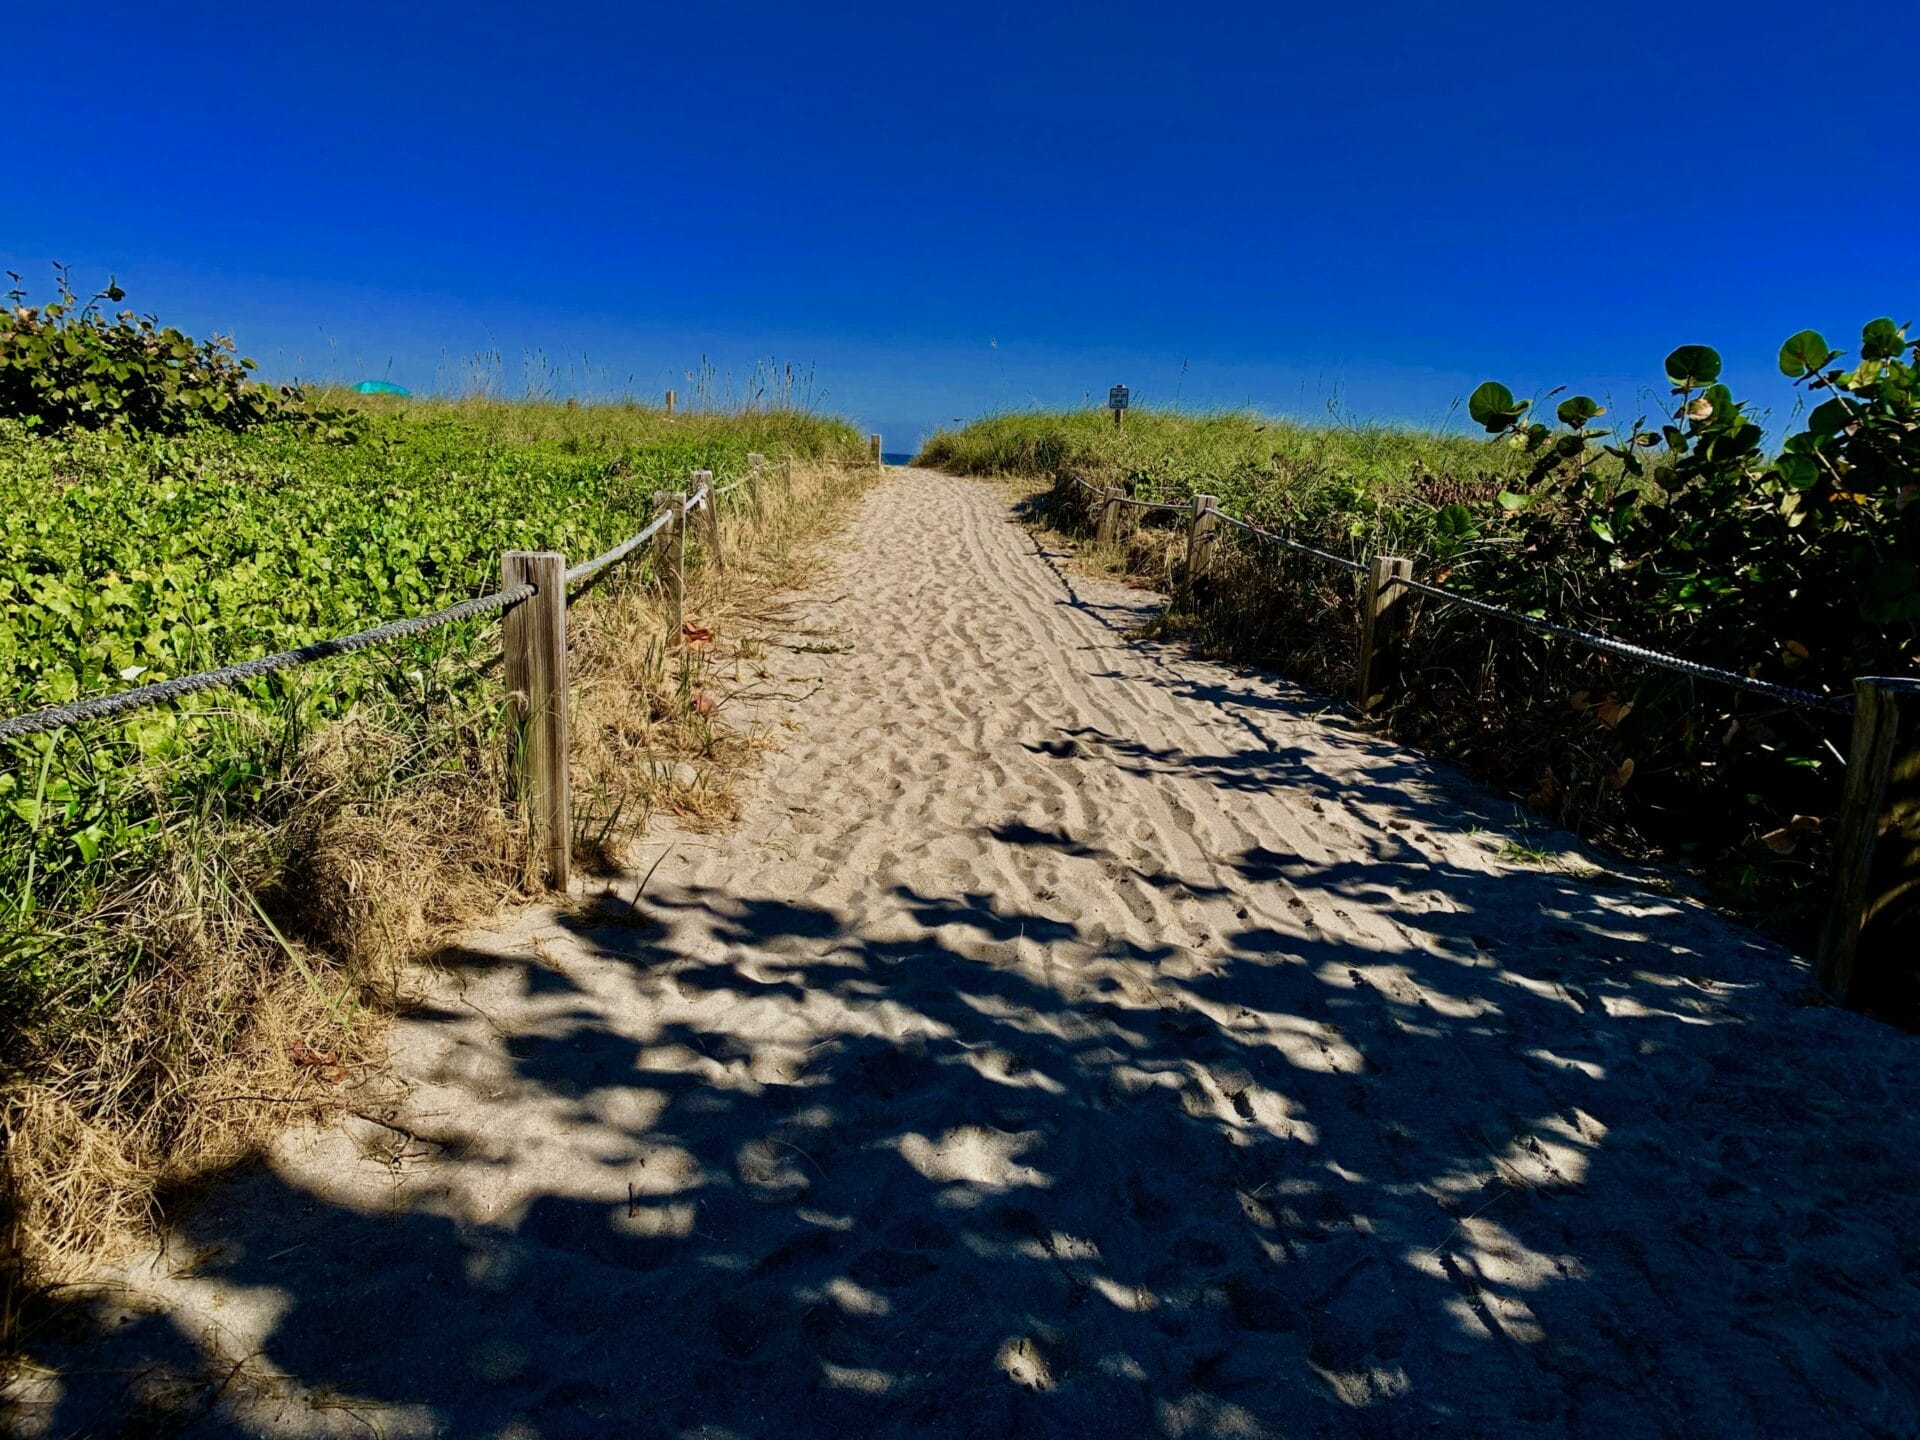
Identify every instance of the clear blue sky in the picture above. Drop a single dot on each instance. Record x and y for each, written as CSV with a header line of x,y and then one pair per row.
x,y
945,210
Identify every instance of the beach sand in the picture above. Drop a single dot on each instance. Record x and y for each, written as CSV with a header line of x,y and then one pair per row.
x,y
1073,1038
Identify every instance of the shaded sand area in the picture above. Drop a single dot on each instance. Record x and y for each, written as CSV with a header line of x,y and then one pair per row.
x,y
1074,1038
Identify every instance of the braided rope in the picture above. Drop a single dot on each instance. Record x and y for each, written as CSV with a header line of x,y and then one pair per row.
x,y
55,717
1128,499
587,569
1838,704
1278,539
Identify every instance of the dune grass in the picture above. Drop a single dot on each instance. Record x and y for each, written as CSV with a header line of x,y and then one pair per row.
x,y
1364,487
1652,762
204,909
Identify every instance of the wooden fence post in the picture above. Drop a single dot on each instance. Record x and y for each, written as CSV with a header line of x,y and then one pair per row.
x,y
1872,932
670,558
669,403
1203,533
873,447
533,636
1383,629
756,483
1108,530
709,517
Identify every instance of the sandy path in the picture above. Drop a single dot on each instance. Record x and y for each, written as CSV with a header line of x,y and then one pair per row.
x,y
1075,1038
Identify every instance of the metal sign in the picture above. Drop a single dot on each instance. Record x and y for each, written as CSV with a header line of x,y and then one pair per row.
x,y
1117,398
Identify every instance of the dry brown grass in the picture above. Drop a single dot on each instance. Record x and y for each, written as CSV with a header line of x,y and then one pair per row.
x,y
272,953
1258,602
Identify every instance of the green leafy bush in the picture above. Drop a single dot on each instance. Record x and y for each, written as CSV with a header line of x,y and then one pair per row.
x,y
68,365
1683,534
1805,563
130,558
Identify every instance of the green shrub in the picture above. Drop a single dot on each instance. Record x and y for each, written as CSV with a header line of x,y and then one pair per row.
x,y
1807,561
66,365
1684,535
127,559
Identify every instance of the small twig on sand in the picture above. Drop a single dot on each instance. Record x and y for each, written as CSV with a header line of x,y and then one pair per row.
x,y
265,1099
1498,1197
789,1145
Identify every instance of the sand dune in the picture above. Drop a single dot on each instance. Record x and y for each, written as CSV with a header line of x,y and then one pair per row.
x,y
1073,1038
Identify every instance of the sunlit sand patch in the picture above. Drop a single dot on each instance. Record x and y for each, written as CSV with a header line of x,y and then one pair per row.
x,y
1003,1067
632,1108
974,1155
1454,1007
1543,1162
1199,1415
1312,1045
856,1299
823,1219
850,1377
1542,989
1562,1062
1025,1364
771,1169
1123,1297
1499,1257
1626,1007
657,1222
1122,1367
663,1170
1370,1385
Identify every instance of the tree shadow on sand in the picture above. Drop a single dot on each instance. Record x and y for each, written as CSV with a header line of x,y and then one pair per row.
x,y
1555,1161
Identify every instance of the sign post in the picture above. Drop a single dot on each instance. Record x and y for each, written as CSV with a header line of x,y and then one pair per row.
x,y
1117,402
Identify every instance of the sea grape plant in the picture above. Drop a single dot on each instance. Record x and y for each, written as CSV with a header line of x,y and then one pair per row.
x,y
1799,565
68,365
1816,545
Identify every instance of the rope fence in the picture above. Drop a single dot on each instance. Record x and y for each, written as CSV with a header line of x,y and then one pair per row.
x,y
1808,699
1877,844
532,600
1867,938
1296,546
587,569
101,707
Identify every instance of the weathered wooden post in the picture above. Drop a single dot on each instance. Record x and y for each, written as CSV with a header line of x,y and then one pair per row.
x,y
757,483
1203,533
1383,629
1872,931
533,637
873,449
670,557
709,513
1108,529
669,404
